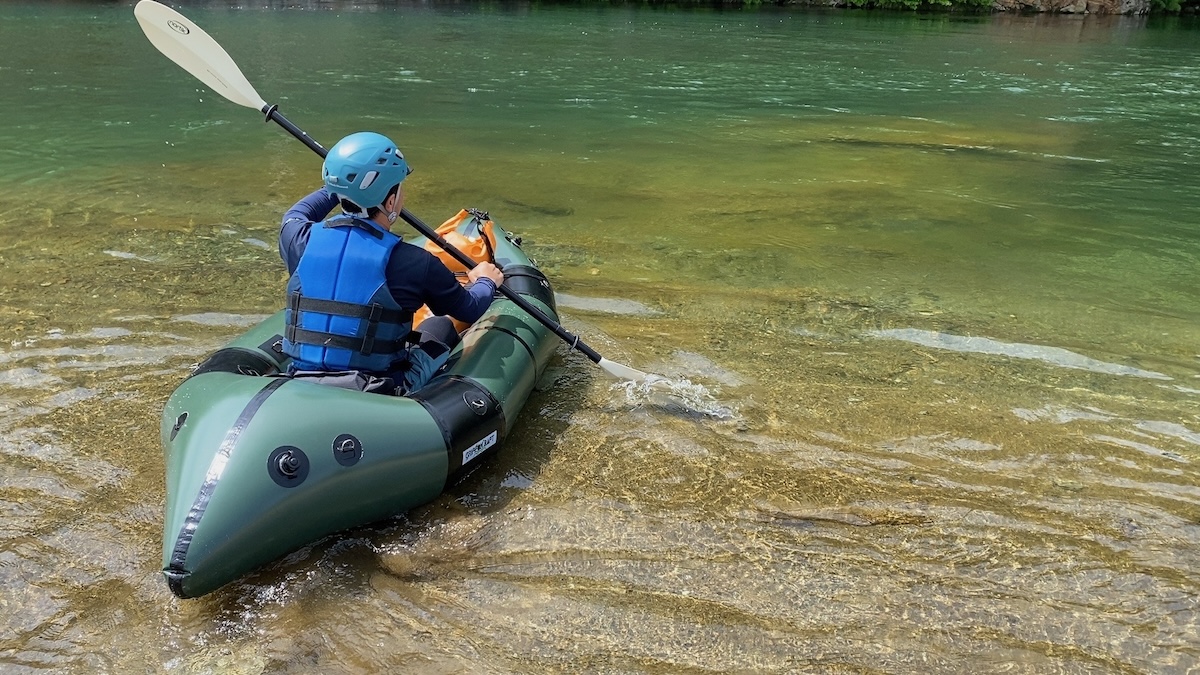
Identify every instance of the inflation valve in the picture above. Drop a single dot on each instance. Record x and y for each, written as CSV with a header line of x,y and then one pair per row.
x,y
288,466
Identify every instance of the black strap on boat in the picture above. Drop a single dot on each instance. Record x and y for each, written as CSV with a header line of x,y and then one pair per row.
x,y
241,360
471,419
530,281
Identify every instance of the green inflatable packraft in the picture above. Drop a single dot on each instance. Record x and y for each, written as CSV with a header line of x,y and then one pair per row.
x,y
259,464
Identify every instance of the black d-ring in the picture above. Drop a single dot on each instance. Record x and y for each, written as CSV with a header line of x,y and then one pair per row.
x,y
347,450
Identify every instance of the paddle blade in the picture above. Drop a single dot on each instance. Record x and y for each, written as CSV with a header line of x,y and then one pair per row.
x,y
621,371
188,45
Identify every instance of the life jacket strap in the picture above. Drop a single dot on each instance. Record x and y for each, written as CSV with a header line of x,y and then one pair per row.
x,y
367,345
374,312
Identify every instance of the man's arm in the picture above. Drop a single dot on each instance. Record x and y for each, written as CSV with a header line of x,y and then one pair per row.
x,y
293,231
445,295
416,277
476,297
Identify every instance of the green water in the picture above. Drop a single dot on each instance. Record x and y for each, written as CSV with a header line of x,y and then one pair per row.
x,y
937,273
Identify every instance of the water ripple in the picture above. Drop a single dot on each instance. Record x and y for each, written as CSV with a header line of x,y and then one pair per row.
x,y
1055,356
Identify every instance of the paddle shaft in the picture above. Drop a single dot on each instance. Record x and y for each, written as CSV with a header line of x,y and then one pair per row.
x,y
273,114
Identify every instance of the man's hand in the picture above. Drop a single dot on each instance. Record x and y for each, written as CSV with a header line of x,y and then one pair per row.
x,y
486,270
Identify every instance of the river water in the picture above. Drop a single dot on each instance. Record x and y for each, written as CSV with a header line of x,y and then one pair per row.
x,y
933,278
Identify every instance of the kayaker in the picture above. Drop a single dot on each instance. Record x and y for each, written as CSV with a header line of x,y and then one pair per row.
x,y
355,285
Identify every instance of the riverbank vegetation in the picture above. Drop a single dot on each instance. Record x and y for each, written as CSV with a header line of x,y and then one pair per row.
x,y
1133,7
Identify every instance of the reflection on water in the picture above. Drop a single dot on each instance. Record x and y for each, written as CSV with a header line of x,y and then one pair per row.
x,y
222,319
611,305
981,345
802,221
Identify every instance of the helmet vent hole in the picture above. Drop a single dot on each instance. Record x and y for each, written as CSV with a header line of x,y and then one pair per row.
x,y
351,177
368,179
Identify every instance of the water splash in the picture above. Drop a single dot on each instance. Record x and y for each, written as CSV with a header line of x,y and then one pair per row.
x,y
677,395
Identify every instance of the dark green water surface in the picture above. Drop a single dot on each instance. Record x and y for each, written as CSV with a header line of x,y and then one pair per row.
x,y
938,275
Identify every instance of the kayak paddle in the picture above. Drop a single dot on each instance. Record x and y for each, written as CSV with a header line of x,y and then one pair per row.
x,y
195,51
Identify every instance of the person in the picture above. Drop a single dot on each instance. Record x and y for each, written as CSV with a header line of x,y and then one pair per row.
x,y
355,284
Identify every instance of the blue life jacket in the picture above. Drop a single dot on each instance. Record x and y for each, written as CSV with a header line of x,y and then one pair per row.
x,y
340,314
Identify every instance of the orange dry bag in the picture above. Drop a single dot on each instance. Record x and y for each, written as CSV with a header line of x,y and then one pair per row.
x,y
473,233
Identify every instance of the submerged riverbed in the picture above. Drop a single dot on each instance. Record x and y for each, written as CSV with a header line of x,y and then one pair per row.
x,y
936,277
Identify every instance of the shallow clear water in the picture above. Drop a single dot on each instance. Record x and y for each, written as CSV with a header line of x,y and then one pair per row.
x,y
935,275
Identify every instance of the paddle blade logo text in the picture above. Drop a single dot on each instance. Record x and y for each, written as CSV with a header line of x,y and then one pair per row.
x,y
178,27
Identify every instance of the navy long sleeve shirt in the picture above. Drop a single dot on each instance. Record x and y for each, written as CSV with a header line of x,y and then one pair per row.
x,y
414,276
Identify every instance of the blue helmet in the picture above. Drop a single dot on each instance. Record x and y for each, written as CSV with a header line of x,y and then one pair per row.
x,y
363,168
